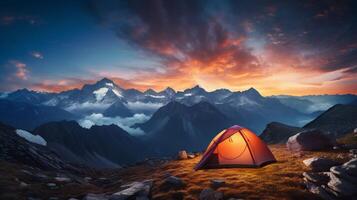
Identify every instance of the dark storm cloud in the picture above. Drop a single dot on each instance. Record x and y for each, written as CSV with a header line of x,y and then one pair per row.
x,y
179,30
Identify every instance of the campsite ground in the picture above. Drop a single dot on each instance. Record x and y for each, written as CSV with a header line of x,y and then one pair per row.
x,y
281,180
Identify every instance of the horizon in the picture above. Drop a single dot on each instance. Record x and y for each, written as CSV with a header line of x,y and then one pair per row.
x,y
277,48
161,90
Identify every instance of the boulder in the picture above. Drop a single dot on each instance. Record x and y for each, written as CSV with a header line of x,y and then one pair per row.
x,y
216,183
182,155
318,190
342,186
134,190
309,140
209,194
317,164
174,181
317,177
91,196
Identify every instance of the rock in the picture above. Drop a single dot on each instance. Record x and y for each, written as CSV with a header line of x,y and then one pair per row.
x,y
342,186
52,186
91,196
182,155
309,140
63,179
209,194
318,191
191,156
23,184
353,151
318,178
174,181
320,164
216,183
135,189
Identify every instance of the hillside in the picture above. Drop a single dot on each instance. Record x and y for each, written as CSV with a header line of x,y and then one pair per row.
x,y
282,180
338,120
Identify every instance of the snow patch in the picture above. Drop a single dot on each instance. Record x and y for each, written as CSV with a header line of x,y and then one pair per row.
x,y
188,94
31,138
116,92
100,93
4,95
109,84
124,123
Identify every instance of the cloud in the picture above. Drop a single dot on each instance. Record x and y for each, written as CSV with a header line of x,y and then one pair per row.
x,y
139,106
124,123
6,20
237,44
37,55
21,69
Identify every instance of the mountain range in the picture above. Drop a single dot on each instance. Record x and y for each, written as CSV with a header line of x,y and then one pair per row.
x,y
182,120
247,108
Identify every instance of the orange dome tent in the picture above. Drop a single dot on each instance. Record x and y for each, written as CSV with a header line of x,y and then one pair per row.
x,y
236,147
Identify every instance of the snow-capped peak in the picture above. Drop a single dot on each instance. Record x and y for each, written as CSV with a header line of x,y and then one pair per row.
x,y
100,93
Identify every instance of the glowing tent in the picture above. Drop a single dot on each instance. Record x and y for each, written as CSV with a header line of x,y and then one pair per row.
x,y
236,147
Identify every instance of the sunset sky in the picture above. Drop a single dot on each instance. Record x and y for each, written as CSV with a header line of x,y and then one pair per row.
x,y
277,47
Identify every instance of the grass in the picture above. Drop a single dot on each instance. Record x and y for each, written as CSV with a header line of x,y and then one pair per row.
x,y
281,180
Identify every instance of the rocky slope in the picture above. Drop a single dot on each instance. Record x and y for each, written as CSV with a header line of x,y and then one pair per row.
x,y
100,146
276,132
336,121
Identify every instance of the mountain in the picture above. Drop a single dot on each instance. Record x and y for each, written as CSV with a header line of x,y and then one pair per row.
x,y
28,116
118,109
99,147
336,121
16,149
313,103
250,109
276,132
177,126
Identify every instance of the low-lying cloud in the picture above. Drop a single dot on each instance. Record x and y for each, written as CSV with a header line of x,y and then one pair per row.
x,y
124,123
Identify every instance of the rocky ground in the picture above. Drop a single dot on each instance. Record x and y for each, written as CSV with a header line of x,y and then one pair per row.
x,y
175,179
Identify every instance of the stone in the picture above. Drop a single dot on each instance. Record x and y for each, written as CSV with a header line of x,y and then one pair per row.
x,y
216,183
318,164
174,181
191,156
52,186
353,151
23,184
209,194
318,191
63,179
318,178
309,140
135,189
91,196
182,155
342,186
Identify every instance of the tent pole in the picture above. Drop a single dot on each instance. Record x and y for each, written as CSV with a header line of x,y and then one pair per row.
x,y
250,151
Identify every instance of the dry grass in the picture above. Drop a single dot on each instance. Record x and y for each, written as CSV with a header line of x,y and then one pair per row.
x,y
281,180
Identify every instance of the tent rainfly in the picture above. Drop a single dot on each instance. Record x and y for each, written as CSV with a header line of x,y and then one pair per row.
x,y
236,147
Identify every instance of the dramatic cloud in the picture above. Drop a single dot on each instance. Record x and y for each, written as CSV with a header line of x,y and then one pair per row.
x,y
238,44
124,123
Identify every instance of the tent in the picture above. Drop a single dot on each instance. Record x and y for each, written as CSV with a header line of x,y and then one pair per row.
x,y
236,147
